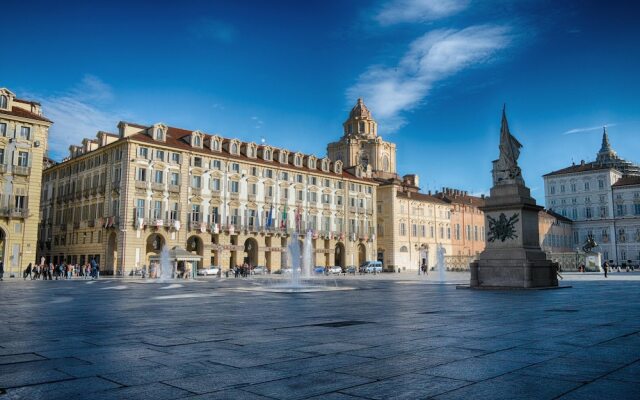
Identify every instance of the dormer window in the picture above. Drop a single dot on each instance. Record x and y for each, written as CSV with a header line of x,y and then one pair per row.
x,y
3,101
159,135
234,148
196,141
325,165
215,145
267,155
283,158
298,161
311,163
337,167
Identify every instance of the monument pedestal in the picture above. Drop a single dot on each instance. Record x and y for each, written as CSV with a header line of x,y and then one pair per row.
x,y
512,257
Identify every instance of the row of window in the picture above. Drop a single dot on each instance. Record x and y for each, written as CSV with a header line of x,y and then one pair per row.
x,y
23,133
22,159
421,231
574,187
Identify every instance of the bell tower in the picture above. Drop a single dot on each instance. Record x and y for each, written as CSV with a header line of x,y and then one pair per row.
x,y
360,144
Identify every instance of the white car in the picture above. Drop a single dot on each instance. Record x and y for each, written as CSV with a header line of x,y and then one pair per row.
x,y
336,269
212,270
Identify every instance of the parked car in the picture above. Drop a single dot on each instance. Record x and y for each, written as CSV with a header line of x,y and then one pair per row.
x,y
352,269
371,267
336,269
318,270
212,270
259,270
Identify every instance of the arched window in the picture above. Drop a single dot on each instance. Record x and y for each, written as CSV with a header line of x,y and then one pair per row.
x,y
196,141
158,134
361,130
216,145
297,161
385,163
234,148
404,249
3,101
267,154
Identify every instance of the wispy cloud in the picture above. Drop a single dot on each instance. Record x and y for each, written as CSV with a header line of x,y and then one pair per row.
x,y
400,11
433,57
79,113
590,129
258,122
212,29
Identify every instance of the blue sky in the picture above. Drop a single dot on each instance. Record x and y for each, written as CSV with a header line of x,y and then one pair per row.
x,y
434,73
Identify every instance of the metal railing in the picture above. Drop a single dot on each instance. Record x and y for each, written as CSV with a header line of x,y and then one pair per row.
x,y
20,170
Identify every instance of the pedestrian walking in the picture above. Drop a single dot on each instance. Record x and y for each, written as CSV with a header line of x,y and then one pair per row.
x,y
27,272
1,271
605,267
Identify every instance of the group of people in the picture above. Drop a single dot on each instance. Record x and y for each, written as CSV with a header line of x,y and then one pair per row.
x,y
243,270
89,270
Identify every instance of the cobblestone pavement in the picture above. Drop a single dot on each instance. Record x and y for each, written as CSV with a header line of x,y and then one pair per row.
x,y
390,338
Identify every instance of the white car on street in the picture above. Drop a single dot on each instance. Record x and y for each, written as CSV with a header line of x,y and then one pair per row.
x,y
212,270
336,269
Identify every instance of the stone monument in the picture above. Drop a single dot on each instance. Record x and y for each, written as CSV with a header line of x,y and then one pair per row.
x,y
512,257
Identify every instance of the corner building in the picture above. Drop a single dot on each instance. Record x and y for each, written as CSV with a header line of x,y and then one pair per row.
x,y
23,142
122,197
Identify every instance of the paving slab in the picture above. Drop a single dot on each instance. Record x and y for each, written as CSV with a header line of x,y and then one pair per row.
x,y
389,338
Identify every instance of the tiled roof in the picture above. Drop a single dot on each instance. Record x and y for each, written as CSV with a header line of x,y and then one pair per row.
x,y
22,113
176,138
591,166
557,216
628,180
420,197
463,199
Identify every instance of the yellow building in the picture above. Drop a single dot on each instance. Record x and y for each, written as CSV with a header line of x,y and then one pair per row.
x,y
23,143
120,198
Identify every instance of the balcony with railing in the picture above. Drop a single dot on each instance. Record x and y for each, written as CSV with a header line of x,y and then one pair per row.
x,y
196,191
20,170
3,169
234,195
14,212
157,186
174,188
140,184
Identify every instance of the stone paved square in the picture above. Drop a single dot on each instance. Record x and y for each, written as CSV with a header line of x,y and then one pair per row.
x,y
392,337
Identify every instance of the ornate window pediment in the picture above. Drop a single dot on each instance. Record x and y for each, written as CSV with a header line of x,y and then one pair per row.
x,y
158,132
216,143
337,167
196,139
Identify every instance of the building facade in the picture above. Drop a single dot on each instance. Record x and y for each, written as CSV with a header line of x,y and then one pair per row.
x,y
23,143
556,232
591,196
120,198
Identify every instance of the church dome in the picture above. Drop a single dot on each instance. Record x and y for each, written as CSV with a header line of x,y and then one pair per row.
x,y
360,111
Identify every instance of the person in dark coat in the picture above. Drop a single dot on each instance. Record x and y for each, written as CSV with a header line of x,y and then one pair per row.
x,y
27,272
1,271
605,267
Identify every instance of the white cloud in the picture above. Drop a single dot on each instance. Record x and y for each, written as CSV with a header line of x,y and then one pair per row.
x,y
78,113
399,11
586,130
433,57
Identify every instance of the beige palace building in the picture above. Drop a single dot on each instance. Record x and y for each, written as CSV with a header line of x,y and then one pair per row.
x,y
23,142
120,198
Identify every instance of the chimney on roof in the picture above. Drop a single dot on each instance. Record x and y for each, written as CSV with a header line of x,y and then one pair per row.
x,y
482,196
581,162
429,192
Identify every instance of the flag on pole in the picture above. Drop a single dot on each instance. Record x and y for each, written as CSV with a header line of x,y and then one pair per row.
x,y
283,222
270,217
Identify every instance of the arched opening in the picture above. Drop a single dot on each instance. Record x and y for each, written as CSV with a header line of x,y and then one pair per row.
x,y
362,254
112,252
339,255
194,246
155,243
251,252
